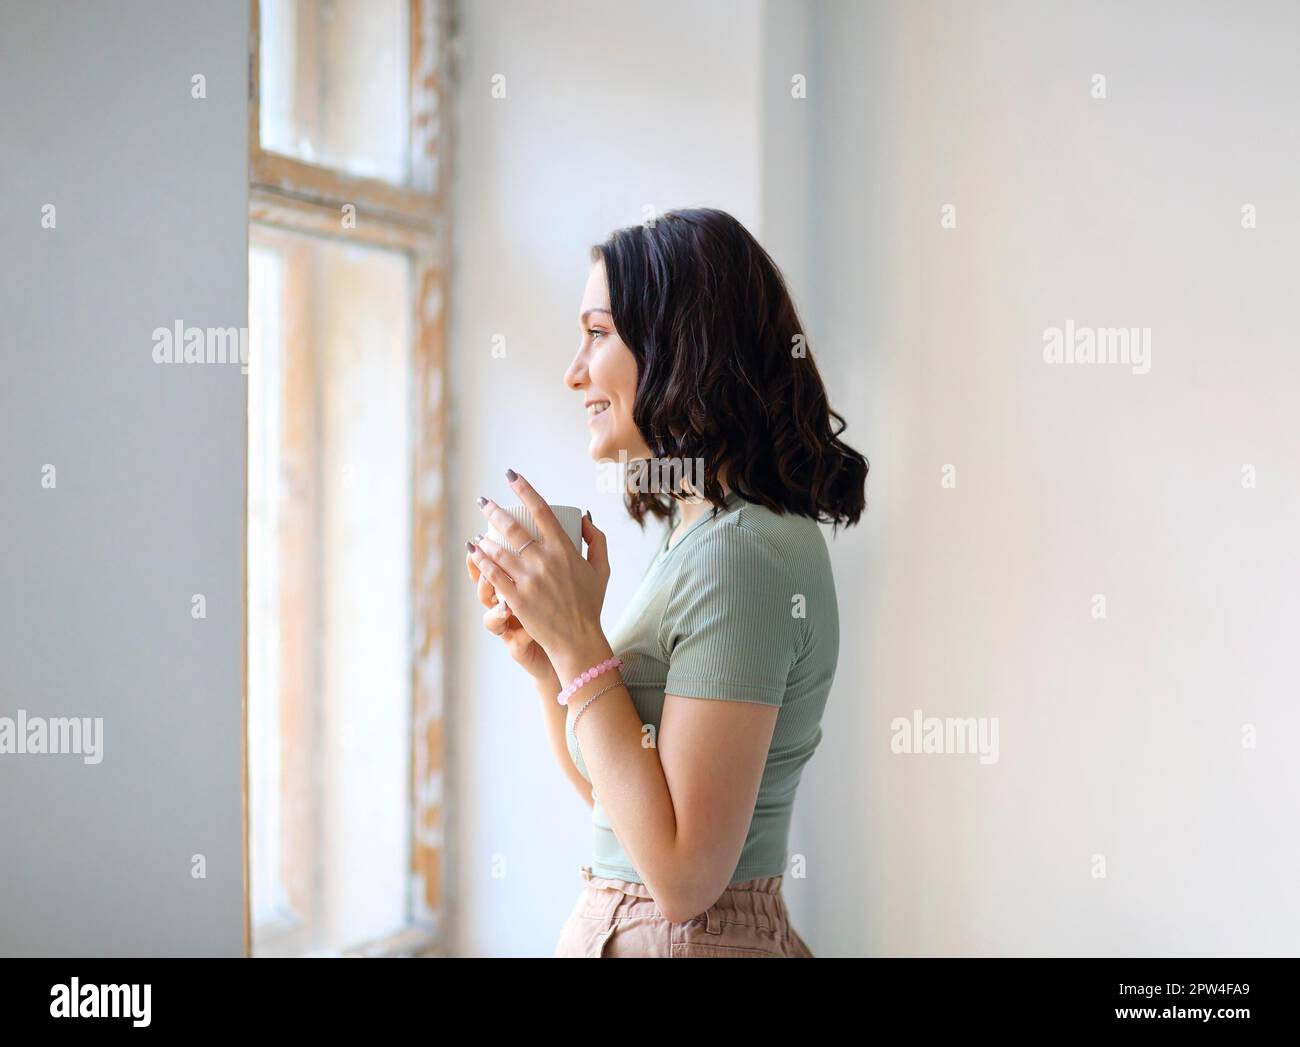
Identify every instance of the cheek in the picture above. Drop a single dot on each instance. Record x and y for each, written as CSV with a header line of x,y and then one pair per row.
x,y
614,371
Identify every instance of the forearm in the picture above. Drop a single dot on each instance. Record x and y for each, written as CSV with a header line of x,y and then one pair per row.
x,y
629,779
554,715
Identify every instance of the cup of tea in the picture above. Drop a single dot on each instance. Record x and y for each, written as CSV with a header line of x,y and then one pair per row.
x,y
570,517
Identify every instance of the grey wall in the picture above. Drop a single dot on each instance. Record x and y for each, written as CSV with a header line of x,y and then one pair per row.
x,y
98,573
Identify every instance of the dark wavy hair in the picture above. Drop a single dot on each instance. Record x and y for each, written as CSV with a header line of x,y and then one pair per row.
x,y
724,375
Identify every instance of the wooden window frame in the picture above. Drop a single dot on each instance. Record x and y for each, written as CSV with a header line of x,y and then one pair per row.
x,y
289,194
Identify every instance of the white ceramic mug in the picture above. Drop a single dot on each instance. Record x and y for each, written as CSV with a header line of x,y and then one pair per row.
x,y
570,517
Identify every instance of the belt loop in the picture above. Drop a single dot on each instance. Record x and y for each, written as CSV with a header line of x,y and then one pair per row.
x,y
604,907
611,900
712,922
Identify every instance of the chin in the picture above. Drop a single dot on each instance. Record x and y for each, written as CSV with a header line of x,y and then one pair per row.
x,y
617,441
603,445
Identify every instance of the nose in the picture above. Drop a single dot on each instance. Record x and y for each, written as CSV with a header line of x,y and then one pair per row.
x,y
576,376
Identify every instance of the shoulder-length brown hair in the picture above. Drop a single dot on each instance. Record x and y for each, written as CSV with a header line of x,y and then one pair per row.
x,y
724,373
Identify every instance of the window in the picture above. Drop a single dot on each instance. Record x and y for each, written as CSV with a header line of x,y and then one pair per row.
x,y
345,441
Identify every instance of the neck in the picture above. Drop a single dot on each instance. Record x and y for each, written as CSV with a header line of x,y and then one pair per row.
x,y
695,506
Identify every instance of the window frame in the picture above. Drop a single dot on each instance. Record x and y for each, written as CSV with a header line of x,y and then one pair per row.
x,y
286,193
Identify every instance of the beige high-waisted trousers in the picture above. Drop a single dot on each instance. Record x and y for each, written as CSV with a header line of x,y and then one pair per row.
x,y
617,918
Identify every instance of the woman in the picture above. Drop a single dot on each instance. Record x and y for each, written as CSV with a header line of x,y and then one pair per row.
x,y
690,750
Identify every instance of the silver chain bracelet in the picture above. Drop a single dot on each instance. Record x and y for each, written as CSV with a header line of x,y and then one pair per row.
x,y
574,726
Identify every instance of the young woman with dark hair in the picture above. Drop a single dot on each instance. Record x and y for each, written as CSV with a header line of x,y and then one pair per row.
x,y
687,728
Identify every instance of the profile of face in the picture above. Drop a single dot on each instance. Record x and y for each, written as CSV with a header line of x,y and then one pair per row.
x,y
604,371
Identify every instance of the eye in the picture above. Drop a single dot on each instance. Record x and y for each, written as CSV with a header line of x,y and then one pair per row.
x,y
595,332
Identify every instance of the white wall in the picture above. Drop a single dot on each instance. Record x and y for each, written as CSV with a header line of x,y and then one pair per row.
x,y
149,186
1119,737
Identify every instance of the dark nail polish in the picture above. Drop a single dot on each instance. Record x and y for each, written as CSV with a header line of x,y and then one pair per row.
x,y
511,475
587,514
469,546
482,501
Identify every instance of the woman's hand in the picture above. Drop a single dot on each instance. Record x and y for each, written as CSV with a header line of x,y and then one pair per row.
x,y
554,593
499,621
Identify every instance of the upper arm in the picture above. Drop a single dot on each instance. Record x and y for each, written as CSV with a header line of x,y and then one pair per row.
x,y
713,754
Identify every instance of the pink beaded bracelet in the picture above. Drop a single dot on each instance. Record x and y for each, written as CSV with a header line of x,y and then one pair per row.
x,y
584,678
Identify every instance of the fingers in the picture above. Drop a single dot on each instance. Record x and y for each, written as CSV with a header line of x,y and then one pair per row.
x,y
495,620
472,567
547,524
597,547
487,596
493,572
505,525
501,556
517,642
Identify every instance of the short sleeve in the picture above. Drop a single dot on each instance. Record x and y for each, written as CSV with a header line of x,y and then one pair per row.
x,y
728,630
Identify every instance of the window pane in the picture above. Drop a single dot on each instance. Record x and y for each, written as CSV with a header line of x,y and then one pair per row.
x,y
335,84
329,591
265,288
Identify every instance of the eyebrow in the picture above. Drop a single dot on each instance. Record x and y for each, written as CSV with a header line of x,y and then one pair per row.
x,y
595,309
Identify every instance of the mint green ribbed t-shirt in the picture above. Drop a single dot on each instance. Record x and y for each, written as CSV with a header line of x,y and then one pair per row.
x,y
741,608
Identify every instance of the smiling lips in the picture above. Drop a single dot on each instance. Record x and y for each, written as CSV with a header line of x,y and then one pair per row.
x,y
596,407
